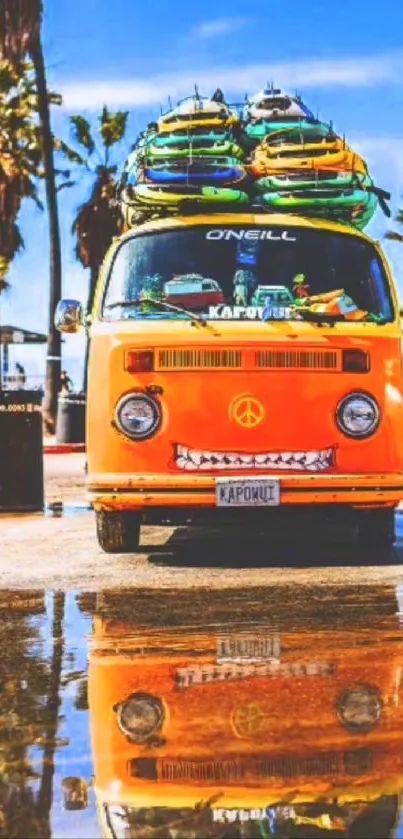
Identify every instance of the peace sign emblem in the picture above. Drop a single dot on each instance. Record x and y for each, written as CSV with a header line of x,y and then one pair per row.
x,y
248,720
247,411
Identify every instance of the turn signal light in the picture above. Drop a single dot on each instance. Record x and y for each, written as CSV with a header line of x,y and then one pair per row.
x,y
139,361
355,361
358,762
144,768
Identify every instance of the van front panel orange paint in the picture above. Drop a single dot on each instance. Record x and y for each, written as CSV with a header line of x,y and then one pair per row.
x,y
287,716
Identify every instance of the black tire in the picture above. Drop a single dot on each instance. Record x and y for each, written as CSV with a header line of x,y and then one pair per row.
x,y
376,528
118,531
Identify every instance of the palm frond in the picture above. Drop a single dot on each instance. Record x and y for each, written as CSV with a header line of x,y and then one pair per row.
x,y
105,115
4,285
64,173
112,127
65,185
394,236
82,132
8,76
54,98
72,155
33,194
11,242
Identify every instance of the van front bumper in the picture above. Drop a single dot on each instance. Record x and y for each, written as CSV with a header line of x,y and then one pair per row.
x,y
139,492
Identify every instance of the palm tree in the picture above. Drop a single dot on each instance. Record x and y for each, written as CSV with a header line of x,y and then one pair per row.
x,y
98,220
20,35
20,157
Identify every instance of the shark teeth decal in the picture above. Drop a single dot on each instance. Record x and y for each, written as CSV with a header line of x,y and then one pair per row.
x,y
195,460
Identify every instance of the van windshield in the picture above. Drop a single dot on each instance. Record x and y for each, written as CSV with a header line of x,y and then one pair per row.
x,y
248,273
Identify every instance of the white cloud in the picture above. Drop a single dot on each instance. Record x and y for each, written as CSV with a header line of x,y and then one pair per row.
x,y
354,72
214,28
383,152
385,160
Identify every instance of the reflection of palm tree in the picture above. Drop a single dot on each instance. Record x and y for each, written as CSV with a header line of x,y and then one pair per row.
x,y
24,680
45,795
81,699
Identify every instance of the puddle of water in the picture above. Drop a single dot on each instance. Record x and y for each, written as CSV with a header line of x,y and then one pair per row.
x,y
249,713
59,509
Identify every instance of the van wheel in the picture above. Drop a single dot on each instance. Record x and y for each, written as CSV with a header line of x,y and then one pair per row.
x,y
376,528
118,531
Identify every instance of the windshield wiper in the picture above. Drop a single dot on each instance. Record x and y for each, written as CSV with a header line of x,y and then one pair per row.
x,y
318,317
127,304
325,317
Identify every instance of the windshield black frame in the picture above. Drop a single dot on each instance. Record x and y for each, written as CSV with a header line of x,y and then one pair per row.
x,y
384,303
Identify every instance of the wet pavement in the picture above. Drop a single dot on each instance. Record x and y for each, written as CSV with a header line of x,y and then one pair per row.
x,y
263,710
218,683
59,550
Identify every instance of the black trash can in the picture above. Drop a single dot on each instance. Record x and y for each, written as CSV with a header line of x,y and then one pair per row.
x,y
21,451
70,421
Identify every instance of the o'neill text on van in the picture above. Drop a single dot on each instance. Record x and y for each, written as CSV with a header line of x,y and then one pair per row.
x,y
277,236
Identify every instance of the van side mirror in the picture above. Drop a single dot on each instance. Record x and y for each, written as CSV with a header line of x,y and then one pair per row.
x,y
69,316
74,793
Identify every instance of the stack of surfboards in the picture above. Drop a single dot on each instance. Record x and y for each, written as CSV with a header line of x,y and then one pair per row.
x,y
272,153
300,165
194,152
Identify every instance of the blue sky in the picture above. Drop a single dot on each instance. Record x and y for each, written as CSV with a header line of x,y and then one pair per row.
x,y
346,59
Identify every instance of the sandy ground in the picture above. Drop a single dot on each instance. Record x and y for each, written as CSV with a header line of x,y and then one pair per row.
x,y
64,478
52,551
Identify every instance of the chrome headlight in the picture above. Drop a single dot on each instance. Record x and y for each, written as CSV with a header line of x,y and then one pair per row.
x,y
138,416
358,415
359,708
140,716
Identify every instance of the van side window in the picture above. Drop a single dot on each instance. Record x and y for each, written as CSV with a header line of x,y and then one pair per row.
x,y
380,289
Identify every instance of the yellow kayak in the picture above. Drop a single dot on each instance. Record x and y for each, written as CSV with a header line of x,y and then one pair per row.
x,y
195,111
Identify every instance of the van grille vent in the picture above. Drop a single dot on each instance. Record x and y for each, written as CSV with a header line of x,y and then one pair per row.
x,y
238,769
298,359
199,359
247,358
243,769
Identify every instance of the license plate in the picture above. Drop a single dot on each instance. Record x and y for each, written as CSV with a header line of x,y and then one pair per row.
x,y
247,649
256,492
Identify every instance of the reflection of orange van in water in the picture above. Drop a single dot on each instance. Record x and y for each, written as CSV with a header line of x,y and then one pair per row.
x,y
193,413
246,720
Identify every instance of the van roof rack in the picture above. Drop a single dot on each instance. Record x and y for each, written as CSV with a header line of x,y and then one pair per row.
x,y
191,207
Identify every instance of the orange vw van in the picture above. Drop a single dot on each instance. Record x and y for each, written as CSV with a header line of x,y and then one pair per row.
x,y
236,408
